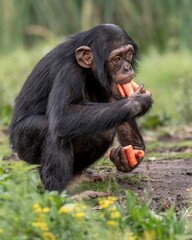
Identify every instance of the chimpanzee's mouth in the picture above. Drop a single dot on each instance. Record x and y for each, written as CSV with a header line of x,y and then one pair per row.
x,y
125,80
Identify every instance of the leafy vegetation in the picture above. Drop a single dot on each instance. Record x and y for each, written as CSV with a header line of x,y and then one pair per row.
x,y
165,75
164,23
184,98
27,212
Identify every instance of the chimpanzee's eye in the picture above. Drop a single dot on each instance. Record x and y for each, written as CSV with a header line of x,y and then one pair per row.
x,y
117,59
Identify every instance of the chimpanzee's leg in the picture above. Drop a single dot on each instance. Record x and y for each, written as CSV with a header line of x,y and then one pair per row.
x,y
62,160
27,137
88,149
56,164
31,140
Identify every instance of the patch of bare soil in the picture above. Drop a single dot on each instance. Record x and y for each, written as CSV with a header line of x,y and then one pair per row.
x,y
168,182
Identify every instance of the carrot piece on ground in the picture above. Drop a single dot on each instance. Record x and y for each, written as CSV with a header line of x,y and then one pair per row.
x,y
130,155
139,153
128,89
134,85
121,90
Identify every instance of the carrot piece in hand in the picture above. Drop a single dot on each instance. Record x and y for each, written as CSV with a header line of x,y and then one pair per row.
x,y
130,155
134,85
139,153
128,89
120,88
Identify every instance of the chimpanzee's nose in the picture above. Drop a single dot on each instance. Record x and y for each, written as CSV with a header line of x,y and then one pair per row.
x,y
127,67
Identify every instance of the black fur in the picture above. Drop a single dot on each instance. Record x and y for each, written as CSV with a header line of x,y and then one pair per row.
x,y
64,118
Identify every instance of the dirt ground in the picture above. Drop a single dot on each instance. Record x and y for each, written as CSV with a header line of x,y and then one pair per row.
x,y
164,178
168,180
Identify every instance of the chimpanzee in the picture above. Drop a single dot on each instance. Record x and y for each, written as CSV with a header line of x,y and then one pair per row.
x,y
69,109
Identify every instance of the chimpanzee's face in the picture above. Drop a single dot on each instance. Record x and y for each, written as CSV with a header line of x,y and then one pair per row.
x,y
120,64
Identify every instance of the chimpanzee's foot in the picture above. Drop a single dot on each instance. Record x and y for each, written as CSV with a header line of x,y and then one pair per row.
x,y
90,176
88,195
93,178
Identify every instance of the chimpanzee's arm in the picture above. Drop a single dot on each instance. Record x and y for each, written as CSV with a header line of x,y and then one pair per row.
x,y
128,133
69,117
94,117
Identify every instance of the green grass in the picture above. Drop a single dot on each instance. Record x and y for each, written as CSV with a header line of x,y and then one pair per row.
x,y
164,75
160,144
5,151
168,155
110,186
168,150
28,212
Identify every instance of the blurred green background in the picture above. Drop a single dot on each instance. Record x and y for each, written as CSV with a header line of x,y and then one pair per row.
x,y
162,29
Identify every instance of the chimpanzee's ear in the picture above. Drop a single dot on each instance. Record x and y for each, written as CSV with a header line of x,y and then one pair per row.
x,y
84,56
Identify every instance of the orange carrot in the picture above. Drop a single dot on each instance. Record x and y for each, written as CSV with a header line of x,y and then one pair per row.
x,y
139,153
130,155
128,89
134,85
120,88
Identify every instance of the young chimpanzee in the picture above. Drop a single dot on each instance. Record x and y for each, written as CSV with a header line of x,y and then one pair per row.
x,y
69,109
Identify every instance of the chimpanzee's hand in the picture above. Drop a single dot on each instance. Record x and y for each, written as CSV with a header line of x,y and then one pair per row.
x,y
118,157
144,98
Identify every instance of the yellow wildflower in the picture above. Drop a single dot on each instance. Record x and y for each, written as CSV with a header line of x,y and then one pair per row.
x,y
150,234
41,217
115,214
37,208
41,225
49,236
36,205
68,208
80,207
1,230
112,199
131,236
105,203
79,215
112,223
45,210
